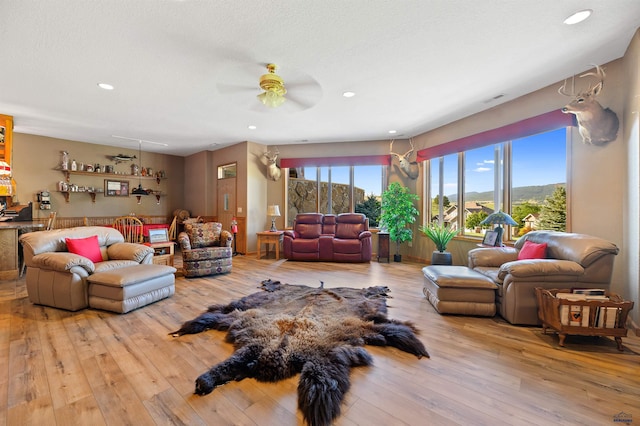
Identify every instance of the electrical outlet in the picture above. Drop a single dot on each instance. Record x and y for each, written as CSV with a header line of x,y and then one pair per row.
x,y
410,243
239,209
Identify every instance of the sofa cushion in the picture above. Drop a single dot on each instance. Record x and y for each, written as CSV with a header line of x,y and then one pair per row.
x,y
203,234
531,250
87,247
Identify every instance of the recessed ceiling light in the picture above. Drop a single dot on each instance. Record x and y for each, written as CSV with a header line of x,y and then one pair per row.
x,y
105,86
578,17
349,94
391,132
251,127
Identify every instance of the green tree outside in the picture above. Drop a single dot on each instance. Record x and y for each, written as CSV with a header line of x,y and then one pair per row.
x,y
553,214
474,219
370,207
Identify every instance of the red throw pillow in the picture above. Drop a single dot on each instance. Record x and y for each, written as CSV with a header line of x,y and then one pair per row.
x,y
87,247
533,251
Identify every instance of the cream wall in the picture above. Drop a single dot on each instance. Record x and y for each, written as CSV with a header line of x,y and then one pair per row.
x,y
36,161
631,201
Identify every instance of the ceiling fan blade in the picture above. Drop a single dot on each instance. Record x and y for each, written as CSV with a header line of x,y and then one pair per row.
x,y
300,104
226,89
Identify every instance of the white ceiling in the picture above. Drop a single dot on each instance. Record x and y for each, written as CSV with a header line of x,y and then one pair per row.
x,y
186,72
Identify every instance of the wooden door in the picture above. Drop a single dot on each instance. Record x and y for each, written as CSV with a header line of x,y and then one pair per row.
x,y
226,201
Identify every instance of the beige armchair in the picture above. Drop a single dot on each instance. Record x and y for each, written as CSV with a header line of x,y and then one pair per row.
x,y
571,260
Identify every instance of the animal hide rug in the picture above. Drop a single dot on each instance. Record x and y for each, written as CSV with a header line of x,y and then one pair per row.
x,y
318,333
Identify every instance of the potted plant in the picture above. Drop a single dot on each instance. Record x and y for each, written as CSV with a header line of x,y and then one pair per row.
x,y
398,212
440,234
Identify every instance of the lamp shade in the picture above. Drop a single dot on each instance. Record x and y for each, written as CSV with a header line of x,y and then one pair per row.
x,y
273,210
499,218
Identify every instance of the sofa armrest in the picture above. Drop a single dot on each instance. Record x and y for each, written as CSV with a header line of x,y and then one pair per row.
x,y
491,257
364,234
290,233
540,267
62,261
129,251
183,240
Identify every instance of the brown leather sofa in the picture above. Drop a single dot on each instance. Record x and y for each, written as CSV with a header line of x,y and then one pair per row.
x,y
572,260
317,237
124,279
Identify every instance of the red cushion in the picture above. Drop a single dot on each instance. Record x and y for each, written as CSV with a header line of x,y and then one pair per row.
x,y
87,247
533,251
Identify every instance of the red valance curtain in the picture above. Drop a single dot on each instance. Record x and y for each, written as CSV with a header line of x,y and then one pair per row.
x,y
361,160
542,123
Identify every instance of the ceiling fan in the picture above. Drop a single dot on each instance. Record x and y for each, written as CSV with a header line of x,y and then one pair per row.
x,y
300,92
273,86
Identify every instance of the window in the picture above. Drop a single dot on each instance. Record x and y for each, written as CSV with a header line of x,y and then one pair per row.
x,y
525,177
443,175
336,189
539,176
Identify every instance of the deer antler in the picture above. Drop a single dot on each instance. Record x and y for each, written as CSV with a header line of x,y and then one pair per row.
x,y
391,149
599,74
408,153
562,89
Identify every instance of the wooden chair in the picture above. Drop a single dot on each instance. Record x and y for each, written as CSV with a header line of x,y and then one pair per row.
x,y
130,227
51,223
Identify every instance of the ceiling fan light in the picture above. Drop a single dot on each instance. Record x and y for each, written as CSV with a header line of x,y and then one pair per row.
x,y
271,99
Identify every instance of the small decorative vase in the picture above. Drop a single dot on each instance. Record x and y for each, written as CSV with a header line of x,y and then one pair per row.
x,y
441,258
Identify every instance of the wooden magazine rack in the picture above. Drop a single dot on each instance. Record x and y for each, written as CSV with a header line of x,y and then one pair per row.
x,y
598,312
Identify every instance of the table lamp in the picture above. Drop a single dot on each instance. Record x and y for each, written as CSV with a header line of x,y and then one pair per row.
x,y
499,218
273,211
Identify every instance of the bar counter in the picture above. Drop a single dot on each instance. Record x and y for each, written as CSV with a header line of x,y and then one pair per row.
x,y
9,259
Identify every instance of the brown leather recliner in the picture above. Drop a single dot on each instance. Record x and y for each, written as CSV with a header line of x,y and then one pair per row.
x,y
317,237
572,260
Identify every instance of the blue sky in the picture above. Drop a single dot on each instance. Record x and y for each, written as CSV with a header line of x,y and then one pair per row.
x,y
537,160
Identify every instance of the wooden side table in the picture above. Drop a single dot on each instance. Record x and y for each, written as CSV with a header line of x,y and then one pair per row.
x,y
163,253
270,237
383,246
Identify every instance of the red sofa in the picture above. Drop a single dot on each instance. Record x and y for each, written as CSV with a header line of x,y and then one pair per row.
x,y
327,237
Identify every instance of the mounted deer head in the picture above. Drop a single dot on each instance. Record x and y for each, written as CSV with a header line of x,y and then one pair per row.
x,y
409,167
273,171
597,125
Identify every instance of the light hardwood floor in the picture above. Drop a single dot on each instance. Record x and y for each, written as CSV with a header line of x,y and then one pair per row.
x,y
95,368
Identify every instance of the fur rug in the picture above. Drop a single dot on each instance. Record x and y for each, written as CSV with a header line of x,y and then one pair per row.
x,y
317,332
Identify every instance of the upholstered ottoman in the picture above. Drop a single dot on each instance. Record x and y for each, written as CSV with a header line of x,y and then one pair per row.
x,y
125,289
459,290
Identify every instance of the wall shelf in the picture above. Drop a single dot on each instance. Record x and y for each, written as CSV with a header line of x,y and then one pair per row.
x,y
91,193
68,173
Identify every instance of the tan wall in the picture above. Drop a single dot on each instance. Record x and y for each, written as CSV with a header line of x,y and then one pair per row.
x,y
197,187
36,161
630,225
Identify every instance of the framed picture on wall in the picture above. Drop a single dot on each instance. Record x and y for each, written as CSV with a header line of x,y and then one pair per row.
x,y
490,238
116,188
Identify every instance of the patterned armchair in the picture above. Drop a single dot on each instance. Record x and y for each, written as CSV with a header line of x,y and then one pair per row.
x,y
206,249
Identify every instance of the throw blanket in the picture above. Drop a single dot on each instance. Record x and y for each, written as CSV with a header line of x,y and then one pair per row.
x,y
317,332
